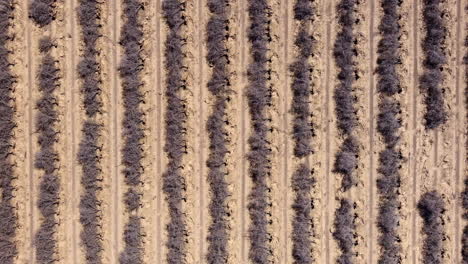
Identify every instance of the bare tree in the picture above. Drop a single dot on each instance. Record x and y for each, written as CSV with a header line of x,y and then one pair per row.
x,y
8,214
174,184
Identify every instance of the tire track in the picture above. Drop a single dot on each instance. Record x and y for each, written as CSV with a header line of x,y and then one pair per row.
x,y
414,239
116,224
285,131
201,132
30,150
23,135
157,136
371,256
71,109
328,118
244,125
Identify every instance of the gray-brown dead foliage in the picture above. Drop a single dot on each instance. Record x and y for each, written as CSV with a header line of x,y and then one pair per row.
x,y
174,185
219,86
8,214
431,208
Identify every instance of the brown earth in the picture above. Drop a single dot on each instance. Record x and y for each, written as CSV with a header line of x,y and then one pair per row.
x,y
434,160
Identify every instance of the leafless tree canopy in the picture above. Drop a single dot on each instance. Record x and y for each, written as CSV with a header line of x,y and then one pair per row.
x,y
47,157
174,184
302,233
89,156
434,60
345,231
8,219
302,179
259,99
42,12
219,86
464,195
431,207
388,125
131,65
344,53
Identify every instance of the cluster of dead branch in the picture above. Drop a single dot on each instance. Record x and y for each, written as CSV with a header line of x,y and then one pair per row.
x,y
345,231
89,150
302,179
434,60
42,12
47,158
8,214
259,99
131,65
431,207
388,125
464,194
344,52
219,86
174,182
346,159
302,223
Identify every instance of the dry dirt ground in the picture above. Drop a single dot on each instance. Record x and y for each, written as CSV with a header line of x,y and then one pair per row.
x,y
434,160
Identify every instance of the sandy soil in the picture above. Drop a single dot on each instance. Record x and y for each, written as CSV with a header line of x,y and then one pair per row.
x,y
434,160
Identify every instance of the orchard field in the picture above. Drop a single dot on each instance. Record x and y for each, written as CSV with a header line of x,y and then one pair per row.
x,y
243,131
